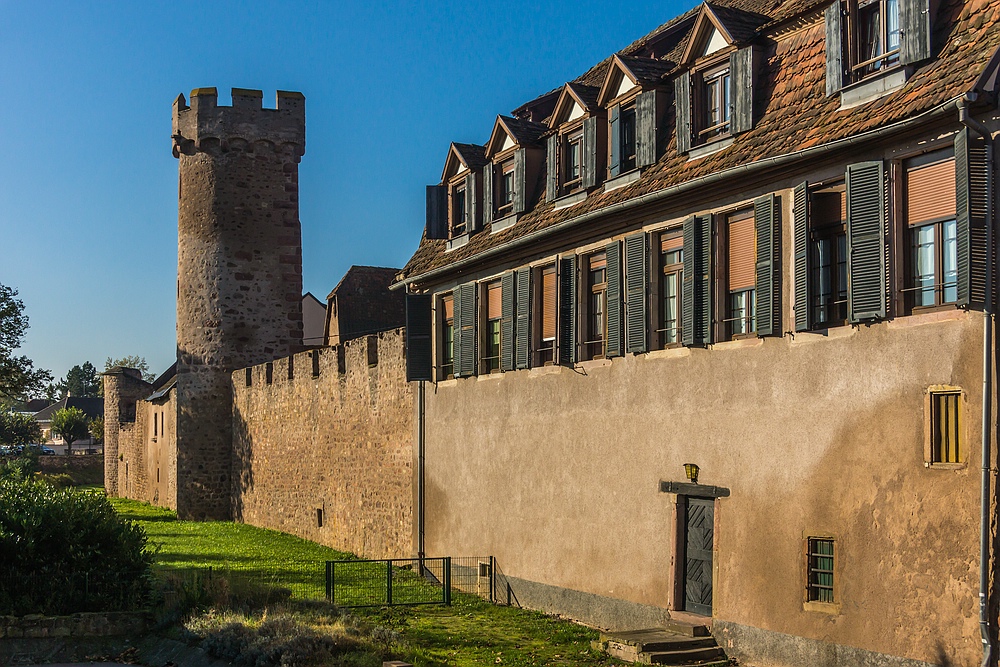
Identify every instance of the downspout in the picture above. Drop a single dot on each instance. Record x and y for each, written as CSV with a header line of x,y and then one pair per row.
x,y
420,473
984,527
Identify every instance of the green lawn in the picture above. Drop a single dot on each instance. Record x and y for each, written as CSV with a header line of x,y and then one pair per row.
x,y
469,633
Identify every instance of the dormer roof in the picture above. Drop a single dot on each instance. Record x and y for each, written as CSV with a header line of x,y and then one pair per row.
x,y
638,71
717,27
522,133
463,156
574,95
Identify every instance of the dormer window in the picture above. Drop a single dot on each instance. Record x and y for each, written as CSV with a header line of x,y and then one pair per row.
x,y
515,155
453,209
715,103
623,125
875,36
572,161
459,210
505,187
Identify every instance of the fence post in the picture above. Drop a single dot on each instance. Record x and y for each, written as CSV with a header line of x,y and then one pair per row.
x,y
329,580
447,580
388,582
493,579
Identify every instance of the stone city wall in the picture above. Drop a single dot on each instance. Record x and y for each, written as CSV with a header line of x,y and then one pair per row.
x,y
322,446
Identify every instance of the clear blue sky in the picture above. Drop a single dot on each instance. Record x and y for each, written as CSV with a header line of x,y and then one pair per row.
x,y
88,187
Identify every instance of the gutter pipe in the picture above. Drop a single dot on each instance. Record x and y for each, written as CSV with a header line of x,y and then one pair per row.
x,y
708,180
984,527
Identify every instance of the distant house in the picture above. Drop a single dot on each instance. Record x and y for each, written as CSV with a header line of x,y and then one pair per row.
x,y
313,320
92,407
361,304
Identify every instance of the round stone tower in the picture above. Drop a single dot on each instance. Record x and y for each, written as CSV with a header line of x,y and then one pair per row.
x,y
239,271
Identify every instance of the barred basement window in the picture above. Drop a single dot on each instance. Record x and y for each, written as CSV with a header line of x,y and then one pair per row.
x,y
820,564
945,428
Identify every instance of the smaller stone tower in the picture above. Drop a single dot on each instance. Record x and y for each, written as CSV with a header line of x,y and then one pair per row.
x,y
123,387
239,271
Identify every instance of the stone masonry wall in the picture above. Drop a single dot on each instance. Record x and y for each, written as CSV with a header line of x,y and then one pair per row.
x,y
339,441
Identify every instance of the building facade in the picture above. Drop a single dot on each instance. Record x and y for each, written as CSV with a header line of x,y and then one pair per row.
x,y
705,332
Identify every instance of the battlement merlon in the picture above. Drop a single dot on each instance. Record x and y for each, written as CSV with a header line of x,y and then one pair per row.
x,y
246,119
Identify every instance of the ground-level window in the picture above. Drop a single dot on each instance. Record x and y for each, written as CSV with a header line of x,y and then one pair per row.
x,y
930,216
740,303
820,558
597,306
828,249
446,365
489,362
546,305
945,426
671,278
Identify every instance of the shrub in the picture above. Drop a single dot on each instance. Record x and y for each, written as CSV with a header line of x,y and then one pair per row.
x,y
60,480
64,552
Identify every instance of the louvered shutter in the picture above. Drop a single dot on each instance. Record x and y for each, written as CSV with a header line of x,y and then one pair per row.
x,y
915,29
590,152
766,289
418,337
567,310
520,181
465,330
971,189
616,140
696,293
470,201
801,214
741,80
834,49
507,322
866,261
682,101
613,252
635,293
552,168
488,194
437,212
645,129
522,326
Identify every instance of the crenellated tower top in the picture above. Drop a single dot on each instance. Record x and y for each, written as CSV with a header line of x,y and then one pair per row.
x,y
203,125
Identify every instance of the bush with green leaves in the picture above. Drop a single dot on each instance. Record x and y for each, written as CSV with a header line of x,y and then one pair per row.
x,y
64,551
17,428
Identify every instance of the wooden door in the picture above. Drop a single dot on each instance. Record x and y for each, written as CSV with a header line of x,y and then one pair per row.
x,y
699,534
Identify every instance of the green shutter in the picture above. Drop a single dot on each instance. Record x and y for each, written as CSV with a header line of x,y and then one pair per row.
x,y
801,215
520,181
567,311
697,286
866,247
613,252
767,292
915,31
741,79
834,50
522,337
507,322
418,337
614,136
635,293
437,212
971,178
488,194
682,100
465,330
590,152
552,168
645,129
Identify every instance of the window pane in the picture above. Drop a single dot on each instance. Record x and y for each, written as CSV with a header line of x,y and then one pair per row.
x,y
923,265
892,25
822,260
949,261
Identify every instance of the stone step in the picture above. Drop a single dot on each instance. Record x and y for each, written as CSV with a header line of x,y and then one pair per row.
x,y
696,656
689,629
660,646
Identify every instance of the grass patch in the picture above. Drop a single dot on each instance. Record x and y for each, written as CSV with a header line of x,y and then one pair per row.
x,y
470,633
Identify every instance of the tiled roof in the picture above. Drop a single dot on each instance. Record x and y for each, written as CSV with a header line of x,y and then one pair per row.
x,y
524,132
740,23
473,155
647,70
587,94
796,114
92,407
364,276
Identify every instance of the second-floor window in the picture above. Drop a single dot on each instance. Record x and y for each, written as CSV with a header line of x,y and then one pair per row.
x,y
740,304
597,306
930,217
671,279
874,36
828,249
546,305
447,341
489,361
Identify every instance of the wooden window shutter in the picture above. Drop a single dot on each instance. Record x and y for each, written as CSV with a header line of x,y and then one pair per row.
x,y
696,295
768,294
470,201
590,152
971,178
522,326
915,26
613,253
552,168
614,135
465,330
834,49
866,247
506,321
567,310
418,337
488,194
520,181
800,211
645,129
635,293
682,100
742,70
437,212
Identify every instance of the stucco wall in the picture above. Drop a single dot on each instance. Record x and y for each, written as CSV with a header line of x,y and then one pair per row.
x,y
555,471
340,442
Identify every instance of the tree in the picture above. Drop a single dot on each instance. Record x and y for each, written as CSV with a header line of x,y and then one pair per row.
x,y
19,379
97,429
71,425
18,429
81,380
